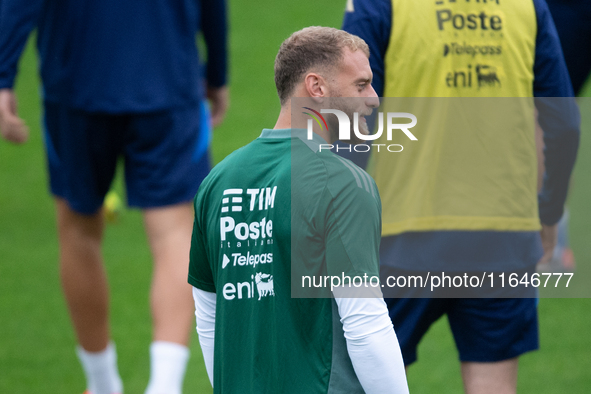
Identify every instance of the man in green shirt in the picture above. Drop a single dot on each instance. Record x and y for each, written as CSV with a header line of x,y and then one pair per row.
x,y
273,218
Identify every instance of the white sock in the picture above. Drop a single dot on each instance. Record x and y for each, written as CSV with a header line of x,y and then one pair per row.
x,y
168,361
100,368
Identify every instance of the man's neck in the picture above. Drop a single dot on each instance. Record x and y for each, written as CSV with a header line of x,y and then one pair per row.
x,y
286,121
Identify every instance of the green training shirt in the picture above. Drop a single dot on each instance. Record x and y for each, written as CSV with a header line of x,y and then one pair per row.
x,y
273,212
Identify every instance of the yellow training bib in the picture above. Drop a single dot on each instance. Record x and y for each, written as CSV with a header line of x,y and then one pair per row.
x,y
469,66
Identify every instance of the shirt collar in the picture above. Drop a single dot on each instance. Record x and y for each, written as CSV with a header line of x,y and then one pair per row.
x,y
302,134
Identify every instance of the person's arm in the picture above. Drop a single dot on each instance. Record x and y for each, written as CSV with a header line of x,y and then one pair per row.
x,y
372,345
559,118
372,21
204,290
215,30
12,127
352,229
205,303
17,20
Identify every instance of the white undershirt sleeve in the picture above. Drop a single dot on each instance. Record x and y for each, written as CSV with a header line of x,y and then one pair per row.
x,y
372,345
205,303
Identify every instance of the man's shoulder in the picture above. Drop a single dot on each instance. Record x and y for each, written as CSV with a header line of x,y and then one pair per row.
x,y
248,166
228,168
343,174
326,167
234,161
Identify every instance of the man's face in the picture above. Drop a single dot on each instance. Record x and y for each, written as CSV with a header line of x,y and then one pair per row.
x,y
351,90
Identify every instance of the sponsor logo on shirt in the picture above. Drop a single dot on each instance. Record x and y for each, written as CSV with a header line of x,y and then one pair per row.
x,y
261,281
456,49
261,199
236,233
243,231
483,20
238,259
264,285
480,76
235,204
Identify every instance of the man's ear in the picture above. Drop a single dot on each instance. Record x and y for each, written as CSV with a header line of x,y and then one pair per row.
x,y
316,87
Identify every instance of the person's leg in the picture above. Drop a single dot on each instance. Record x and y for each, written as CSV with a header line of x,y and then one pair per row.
x,y
490,378
82,153
166,158
490,335
169,234
83,276
86,291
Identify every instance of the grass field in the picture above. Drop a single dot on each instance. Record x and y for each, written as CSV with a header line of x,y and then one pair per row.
x,y
36,339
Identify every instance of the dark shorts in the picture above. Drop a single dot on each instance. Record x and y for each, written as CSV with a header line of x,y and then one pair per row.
x,y
484,330
165,154
490,328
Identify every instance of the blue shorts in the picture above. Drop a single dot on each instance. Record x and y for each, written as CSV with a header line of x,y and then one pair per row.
x,y
165,154
484,329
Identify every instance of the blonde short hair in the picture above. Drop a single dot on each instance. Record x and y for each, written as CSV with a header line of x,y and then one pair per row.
x,y
310,48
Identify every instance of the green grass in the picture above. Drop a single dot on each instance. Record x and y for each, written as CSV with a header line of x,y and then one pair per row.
x,y
36,339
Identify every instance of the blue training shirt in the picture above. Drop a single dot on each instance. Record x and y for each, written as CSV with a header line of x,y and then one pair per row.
x,y
117,56
372,21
